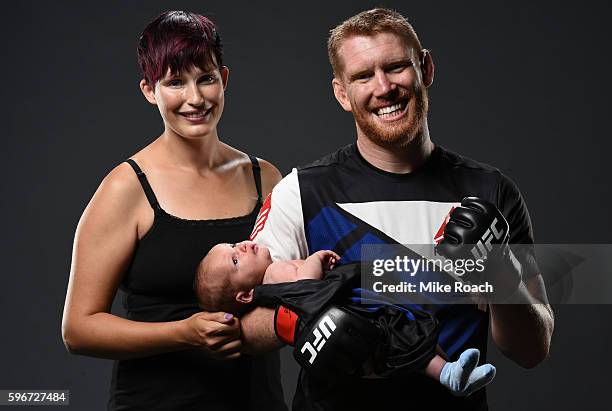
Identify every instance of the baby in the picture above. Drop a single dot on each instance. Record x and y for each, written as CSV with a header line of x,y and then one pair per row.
x,y
227,275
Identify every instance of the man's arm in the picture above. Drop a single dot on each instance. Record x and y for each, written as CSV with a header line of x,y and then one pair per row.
x,y
523,330
258,335
522,326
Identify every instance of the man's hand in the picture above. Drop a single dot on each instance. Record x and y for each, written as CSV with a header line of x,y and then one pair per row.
x,y
334,344
522,330
478,230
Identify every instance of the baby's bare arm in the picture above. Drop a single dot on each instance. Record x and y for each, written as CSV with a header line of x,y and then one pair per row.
x,y
281,272
314,266
293,270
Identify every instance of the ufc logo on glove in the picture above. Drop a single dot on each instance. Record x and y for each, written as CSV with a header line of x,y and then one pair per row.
x,y
333,328
482,248
326,326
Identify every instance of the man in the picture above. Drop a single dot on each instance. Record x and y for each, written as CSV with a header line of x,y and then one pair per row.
x,y
395,186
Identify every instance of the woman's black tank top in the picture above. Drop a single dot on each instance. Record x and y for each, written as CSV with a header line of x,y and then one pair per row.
x,y
158,287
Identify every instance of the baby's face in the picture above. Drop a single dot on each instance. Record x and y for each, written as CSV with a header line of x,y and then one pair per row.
x,y
245,262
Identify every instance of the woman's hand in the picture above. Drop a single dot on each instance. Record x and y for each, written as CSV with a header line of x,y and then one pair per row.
x,y
216,333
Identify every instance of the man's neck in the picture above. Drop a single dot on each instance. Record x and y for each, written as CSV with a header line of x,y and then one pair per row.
x,y
400,160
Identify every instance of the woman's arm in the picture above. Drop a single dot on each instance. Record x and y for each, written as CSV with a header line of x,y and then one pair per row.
x,y
270,176
104,243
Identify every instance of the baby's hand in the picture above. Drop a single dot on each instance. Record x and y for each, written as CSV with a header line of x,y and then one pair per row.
x,y
329,259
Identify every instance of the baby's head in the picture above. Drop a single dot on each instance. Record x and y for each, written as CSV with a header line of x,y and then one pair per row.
x,y
227,275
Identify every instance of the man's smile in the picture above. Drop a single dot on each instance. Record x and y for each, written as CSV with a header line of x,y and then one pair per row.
x,y
391,112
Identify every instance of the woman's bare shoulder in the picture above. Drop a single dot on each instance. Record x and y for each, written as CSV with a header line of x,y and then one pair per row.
x,y
120,191
121,180
270,176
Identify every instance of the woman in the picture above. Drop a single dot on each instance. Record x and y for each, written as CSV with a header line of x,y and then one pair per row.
x,y
148,225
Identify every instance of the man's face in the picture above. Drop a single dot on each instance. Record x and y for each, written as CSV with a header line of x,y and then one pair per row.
x,y
380,86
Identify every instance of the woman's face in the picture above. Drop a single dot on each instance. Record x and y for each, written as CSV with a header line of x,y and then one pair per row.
x,y
190,102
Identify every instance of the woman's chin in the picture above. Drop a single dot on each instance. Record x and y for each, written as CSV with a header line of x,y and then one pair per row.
x,y
195,133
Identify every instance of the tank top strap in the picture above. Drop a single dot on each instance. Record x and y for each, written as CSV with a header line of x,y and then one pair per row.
x,y
145,184
257,175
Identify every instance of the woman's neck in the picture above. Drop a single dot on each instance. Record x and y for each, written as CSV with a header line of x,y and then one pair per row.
x,y
204,153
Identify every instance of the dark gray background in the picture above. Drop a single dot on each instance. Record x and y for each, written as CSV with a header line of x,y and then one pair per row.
x,y
521,85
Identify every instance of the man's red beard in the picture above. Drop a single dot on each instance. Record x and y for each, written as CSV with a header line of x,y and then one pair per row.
x,y
403,132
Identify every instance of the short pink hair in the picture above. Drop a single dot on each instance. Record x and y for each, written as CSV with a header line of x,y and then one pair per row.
x,y
178,40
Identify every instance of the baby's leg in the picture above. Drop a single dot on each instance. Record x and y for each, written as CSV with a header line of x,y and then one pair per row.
x,y
435,366
461,377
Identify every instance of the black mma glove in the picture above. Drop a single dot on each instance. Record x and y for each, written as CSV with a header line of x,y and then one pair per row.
x,y
478,230
334,344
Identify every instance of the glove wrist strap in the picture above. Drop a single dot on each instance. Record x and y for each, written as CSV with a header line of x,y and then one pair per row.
x,y
285,323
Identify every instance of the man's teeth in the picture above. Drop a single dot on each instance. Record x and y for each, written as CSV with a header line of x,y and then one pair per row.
x,y
385,111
